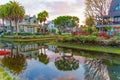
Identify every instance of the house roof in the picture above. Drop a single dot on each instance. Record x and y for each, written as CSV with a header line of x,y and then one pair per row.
x,y
113,11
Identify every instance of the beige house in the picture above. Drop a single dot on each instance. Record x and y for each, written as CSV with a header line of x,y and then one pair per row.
x,y
27,25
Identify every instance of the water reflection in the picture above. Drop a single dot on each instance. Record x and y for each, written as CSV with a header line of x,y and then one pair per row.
x,y
66,63
35,60
15,61
43,56
95,70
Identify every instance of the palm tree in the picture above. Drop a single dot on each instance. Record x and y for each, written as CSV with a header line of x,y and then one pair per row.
x,y
9,15
45,16
16,13
42,17
3,11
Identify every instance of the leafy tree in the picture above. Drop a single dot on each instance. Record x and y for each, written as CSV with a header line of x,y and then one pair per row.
x,y
66,21
90,21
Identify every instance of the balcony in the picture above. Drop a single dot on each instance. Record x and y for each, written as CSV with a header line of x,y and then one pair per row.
x,y
102,21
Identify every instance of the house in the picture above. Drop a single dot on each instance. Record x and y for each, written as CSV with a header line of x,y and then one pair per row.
x,y
112,19
28,24
51,26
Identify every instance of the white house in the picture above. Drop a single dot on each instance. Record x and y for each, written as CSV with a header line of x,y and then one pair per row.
x,y
51,26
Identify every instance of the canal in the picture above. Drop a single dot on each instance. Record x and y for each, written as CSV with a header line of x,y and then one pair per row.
x,y
37,61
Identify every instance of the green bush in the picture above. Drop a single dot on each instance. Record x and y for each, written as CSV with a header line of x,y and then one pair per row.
x,y
54,31
94,34
59,32
37,33
25,34
89,29
6,33
81,39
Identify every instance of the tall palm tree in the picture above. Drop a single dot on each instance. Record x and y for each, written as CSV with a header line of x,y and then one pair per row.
x,y
9,15
3,13
45,16
16,13
42,17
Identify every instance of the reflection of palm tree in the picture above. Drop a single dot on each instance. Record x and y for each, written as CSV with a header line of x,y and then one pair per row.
x,y
15,63
43,56
66,63
95,70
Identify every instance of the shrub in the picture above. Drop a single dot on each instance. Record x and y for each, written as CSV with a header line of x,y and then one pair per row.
x,y
67,39
37,33
89,29
25,34
6,33
59,32
94,34
54,31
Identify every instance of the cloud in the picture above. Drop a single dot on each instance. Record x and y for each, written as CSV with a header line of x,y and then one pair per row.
x,y
54,7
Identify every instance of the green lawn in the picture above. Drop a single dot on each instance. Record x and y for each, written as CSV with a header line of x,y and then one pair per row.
x,y
90,48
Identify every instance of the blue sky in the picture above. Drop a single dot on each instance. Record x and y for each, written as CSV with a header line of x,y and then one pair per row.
x,y
55,8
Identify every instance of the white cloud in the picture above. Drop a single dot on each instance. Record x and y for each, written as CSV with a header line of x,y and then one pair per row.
x,y
54,7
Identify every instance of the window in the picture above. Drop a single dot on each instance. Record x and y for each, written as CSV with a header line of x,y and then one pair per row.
x,y
117,7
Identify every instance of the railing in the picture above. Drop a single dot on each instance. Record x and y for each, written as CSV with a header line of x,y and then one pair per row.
x,y
114,23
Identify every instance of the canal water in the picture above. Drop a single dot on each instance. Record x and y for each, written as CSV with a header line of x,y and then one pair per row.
x,y
37,61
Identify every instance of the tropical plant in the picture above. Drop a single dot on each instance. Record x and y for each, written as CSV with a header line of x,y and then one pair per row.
x,y
3,12
42,17
16,13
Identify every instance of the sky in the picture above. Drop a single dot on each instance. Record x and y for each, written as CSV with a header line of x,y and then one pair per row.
x,y
55,8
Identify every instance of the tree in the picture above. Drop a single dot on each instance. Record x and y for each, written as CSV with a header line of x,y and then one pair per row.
x,y
96,8
3,12
66,21
16,13
42,17
90,21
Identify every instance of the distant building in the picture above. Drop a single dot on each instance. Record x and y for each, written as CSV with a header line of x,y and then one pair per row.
x,y
51,26
112,19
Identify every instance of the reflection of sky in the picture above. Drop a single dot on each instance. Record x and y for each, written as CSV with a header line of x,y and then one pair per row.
x,y
38,71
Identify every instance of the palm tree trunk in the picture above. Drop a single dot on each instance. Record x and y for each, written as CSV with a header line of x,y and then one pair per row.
x,y
16,25
40,28
44,28
3,21
11,26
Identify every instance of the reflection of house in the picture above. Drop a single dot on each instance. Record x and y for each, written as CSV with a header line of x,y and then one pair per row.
x,y
51,26
29,47
28,24
52,48
112,19
29,50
